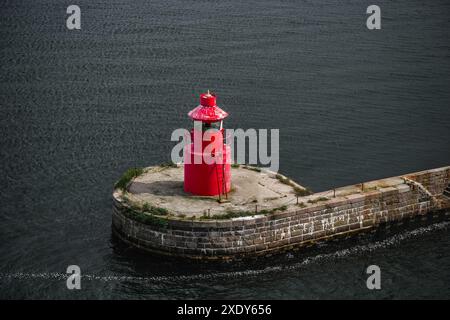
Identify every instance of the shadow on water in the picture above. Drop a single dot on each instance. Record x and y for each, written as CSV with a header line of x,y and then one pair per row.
x,y
165,268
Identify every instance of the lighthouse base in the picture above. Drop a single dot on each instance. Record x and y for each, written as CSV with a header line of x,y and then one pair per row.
x,y
251,191
205,179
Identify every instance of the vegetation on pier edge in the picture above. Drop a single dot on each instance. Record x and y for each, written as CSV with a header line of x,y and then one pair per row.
x,y
318,199
256,169
146,218
127,177
169,164
147,214
299,191
154,210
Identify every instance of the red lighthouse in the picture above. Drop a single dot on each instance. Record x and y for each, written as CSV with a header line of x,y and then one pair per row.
x,y
207,158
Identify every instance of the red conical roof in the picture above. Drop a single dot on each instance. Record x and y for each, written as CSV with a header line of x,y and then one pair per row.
x,y
207,111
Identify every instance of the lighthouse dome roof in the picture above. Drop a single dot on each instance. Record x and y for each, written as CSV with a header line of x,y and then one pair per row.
x,y
207,111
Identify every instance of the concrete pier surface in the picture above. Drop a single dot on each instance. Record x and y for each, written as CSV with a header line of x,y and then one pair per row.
x,y
265,212
252,190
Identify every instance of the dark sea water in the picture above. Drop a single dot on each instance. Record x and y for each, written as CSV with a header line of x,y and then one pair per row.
x,y
80,107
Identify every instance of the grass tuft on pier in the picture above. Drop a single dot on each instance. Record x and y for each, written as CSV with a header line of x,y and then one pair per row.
x,y
127,177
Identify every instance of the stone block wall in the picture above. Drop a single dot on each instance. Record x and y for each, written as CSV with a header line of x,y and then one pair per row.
x,y
295,227
435,180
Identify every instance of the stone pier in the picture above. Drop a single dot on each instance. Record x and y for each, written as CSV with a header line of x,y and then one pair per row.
x,y
265,213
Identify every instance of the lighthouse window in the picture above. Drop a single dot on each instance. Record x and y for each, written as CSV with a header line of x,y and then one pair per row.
x,y
212,125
